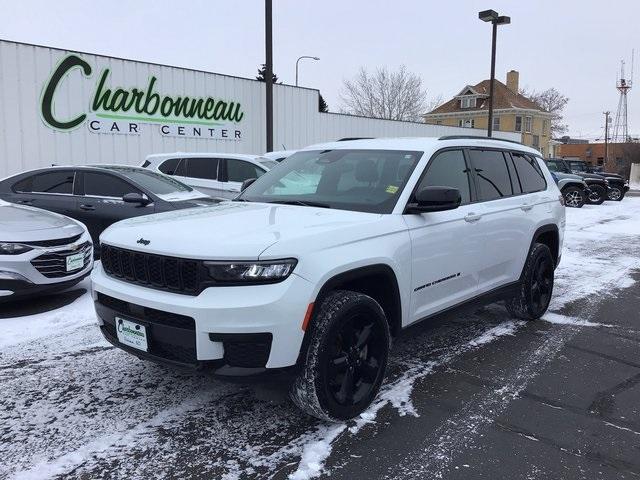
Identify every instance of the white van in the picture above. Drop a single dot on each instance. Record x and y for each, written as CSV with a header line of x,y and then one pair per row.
x,y
219,175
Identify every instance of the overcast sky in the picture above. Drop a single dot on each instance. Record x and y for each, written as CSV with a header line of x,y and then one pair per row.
x,y
575,46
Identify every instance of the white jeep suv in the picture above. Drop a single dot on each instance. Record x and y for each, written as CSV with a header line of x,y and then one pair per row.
x,y
321,261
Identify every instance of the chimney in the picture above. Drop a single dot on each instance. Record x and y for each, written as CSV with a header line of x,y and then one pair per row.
x,y
512,80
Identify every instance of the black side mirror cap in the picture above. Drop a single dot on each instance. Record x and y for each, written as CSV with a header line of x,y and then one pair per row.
x,y
139,198
435,199
246,183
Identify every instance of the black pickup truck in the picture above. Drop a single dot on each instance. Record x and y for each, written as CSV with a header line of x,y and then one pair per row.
x,y
603,186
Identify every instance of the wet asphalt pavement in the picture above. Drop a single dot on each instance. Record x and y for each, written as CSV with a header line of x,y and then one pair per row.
x,y
469,395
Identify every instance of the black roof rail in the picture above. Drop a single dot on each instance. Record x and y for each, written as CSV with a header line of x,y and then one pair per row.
x,y
477,137
346,139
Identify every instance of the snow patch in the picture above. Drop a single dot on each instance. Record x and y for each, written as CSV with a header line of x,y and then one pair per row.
x,y
315,453
506,328
565,320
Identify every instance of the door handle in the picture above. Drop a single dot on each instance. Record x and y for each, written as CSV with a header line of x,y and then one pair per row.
x,y
526,207
84,206
472,217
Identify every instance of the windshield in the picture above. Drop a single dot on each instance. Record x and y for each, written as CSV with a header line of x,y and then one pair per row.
x,y
358,180
552,166
155,182
577,166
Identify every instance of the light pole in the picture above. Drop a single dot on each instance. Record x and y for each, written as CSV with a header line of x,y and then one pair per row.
x,y
495,19
268,71
300,58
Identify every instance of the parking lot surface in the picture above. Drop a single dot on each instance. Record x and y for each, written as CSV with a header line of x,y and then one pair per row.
x,y
470,395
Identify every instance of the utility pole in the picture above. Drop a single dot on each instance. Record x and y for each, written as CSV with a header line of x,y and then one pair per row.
x,y
268,75
606,138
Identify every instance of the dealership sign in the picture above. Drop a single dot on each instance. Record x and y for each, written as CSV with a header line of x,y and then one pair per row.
x,y
129,110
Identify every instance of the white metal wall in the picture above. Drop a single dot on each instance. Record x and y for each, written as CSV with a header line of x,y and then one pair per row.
x,y
26,142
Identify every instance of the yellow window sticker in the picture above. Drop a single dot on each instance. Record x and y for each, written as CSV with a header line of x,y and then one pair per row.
x,y
392,189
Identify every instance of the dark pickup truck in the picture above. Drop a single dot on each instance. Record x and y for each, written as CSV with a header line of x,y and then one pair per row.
x,y
603,186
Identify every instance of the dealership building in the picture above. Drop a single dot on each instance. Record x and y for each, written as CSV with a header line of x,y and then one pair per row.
x,y
64,107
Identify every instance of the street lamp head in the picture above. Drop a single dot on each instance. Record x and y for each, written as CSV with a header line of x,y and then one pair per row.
x,y
488,15
503,20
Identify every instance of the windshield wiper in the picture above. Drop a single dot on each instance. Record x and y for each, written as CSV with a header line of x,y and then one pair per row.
x,y
302,203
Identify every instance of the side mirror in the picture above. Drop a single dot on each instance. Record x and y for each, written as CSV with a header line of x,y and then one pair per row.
x,y
139,198
435,199
246,183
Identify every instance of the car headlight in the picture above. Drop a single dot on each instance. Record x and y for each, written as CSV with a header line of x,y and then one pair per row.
x,y
7,248
251,272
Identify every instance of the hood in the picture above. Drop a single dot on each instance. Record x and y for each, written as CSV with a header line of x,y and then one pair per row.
x,y
235,230
590,176
19,223
567,176
181,196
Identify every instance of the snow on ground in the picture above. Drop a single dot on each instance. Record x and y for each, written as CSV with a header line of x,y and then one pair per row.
x,y
73,406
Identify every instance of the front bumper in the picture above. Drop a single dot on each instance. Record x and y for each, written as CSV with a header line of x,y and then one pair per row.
x,y
38,270
242,326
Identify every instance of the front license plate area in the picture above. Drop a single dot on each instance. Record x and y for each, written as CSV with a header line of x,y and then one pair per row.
x,y
75,261
132,334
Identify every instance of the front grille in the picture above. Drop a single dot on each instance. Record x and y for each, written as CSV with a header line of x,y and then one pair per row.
x,y
172,274
58,242
149,314
54,264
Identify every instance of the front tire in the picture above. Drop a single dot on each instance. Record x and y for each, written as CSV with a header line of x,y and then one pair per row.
x,y
346,359
534,293
598,195
616,194
574,197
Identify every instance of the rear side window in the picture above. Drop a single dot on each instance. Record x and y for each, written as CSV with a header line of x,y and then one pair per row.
x,y
102,185
146,163
173,166
52,182
448,169
239,170
203,168
492,173
529,173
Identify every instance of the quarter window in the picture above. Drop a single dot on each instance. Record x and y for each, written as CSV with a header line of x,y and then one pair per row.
x,y
101,185
492,173
448,169
53,182
204,168
529,173
174,166
239,170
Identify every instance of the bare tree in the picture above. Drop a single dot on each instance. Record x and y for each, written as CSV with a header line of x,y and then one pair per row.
x,y
383,94
552,101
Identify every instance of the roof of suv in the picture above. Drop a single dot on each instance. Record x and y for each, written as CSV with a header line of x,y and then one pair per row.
x,y
240,156
422,143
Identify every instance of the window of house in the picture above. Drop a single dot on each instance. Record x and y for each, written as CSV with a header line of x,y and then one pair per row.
x,y
102,185
492,172
467,102
545,126
448,169
529,173
536,141
518,127
527,124
496,123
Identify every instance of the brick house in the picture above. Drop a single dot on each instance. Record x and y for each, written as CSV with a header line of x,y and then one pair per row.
x,y
512,112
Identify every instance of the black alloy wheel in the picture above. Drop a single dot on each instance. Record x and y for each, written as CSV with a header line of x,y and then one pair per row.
x,y
355,360
541,284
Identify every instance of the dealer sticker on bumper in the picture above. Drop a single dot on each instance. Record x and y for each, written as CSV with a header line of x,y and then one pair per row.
x,y
131,334
75,261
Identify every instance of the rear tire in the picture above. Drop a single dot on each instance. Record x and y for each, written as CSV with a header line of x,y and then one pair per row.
x,y
346,360
598,195
536,288
574,197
